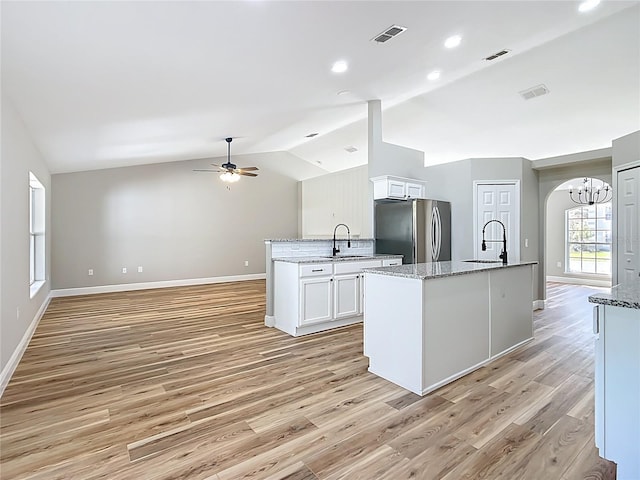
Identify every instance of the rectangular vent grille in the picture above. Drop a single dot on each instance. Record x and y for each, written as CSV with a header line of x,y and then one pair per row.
x,y
388,34
497,54
351,149
533,92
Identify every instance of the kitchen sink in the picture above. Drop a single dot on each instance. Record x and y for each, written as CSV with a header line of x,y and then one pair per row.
x,y
482,261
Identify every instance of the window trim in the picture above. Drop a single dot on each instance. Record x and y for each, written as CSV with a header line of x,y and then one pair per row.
x,y
37,235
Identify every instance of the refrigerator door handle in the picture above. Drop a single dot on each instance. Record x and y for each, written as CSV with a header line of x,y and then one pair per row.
x,y
436,234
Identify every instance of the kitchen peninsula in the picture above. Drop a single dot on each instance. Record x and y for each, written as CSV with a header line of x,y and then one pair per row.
x,y
428,324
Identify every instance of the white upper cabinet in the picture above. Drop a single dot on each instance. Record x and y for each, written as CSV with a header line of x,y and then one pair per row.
x,y
400,188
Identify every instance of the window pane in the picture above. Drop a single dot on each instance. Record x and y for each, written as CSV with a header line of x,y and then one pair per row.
x,y
32,258
588,250
604,252
589,212
575,236
575,251
603,266
575,224
575,213
604,224
603,237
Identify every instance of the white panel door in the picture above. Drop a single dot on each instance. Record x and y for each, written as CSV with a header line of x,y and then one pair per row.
x,y
497,202
628,211
316,300
346,295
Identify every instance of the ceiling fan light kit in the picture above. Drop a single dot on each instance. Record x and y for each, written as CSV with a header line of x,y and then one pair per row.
x,y
229,172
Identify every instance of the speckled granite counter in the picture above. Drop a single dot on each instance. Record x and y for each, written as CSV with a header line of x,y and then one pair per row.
x,y
626,296
424,271
325,239
337,258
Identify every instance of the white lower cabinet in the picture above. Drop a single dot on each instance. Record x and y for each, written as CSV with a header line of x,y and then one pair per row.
x,y
617,388
316,300
309,298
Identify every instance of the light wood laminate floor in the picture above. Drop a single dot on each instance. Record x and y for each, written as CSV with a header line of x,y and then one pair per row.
x,y
188,383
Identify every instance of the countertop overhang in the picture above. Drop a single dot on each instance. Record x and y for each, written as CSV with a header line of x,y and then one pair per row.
x,y
426,271
622,295
337,258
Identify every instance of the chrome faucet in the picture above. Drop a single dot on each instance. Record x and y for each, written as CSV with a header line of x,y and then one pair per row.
x,y
337,250
503,254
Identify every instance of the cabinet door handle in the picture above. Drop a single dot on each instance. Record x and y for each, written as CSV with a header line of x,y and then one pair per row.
x,y
331,280
596,319
317,270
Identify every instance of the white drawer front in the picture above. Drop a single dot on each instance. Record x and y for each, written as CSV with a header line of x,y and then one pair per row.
x,y
388,262
316,269
355,267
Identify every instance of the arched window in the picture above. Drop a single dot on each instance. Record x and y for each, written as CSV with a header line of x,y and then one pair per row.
x,y
589,239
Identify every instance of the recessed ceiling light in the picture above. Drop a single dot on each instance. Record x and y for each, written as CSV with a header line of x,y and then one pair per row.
x,y
351,149
340,67
453,41
434,75
588,5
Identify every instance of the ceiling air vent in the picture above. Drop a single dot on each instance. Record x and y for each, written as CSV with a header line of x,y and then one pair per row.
x,y
533,92
311,135
351,149
388,34
497,54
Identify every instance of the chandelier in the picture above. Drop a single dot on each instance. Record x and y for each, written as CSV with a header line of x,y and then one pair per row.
x,y
588,194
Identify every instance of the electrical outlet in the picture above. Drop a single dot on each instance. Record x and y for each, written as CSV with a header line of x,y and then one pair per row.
x,y
140,269
559,264
124,269
90,272
246,263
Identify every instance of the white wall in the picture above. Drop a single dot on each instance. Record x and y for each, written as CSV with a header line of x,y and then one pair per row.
x,y
19,156
340,197
175,223
626,149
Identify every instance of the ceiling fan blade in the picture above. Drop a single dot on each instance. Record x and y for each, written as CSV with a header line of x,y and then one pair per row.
x,y
202,170
244,169
246,174
216,165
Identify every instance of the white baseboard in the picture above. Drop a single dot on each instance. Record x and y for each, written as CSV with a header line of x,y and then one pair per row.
x,y
12,364
124,287
539,304
593,282
269,321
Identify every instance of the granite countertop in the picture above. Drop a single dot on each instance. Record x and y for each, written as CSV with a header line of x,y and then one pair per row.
x,y
425,271
623,295
328,239
337,258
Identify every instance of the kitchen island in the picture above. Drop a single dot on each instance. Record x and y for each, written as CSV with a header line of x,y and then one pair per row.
x,y
317,293
428,324
617,377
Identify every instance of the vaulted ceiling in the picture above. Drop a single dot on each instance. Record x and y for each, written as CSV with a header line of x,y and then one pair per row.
x,y
105,84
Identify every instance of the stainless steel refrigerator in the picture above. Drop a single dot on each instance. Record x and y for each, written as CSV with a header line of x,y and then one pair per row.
x,y
418,229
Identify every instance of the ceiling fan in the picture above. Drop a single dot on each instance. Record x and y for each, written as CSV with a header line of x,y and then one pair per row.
x,y
229,171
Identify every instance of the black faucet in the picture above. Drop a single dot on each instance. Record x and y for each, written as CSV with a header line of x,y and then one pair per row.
x,y
503,254
337,250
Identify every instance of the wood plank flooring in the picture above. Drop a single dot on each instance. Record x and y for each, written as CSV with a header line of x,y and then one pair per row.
x,y
187,383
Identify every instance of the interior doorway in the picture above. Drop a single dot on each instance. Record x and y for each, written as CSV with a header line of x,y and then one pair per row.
x,y
579,233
